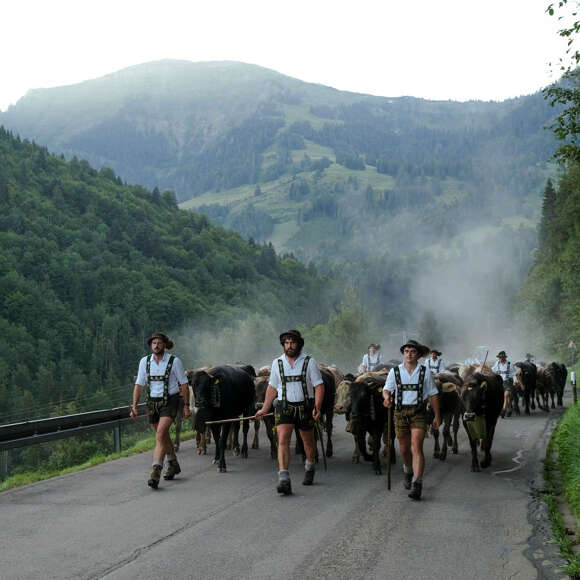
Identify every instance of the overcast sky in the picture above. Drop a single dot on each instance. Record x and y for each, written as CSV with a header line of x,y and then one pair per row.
x,y
435,49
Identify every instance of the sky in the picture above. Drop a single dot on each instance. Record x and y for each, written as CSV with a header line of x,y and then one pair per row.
x,y
433,49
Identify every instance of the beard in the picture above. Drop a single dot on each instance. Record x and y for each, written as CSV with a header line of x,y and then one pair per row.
x,y
292,351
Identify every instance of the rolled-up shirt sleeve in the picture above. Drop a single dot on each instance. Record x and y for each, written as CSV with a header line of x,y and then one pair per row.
x,y
314,373
142,373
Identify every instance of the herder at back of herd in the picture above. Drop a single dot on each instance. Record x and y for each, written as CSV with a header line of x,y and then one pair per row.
x,y
296,396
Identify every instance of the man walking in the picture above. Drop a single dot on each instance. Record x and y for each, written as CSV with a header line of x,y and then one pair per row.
x,y
372,358
297,388
163,377
435,362
504,368
411,385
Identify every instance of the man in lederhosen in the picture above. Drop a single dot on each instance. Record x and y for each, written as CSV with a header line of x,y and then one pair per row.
x,y
297,391
504,368
164,378
411,385
372,358
435,362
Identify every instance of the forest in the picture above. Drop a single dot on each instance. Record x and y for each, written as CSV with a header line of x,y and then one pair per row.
x,y
90,267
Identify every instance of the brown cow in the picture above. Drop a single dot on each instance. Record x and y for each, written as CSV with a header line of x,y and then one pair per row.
x,y
482,397
451,406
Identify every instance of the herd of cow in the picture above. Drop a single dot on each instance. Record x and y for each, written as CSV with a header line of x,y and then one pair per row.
x,y
469,394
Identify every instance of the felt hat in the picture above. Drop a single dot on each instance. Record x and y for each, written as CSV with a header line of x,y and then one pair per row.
x,y
421,348
168,342
292,333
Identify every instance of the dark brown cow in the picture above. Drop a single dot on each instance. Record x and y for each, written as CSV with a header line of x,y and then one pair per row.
x,y
224,392
524,386
451,408
482,397
326,415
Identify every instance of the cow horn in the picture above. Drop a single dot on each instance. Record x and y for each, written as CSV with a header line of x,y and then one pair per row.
x,y
484,386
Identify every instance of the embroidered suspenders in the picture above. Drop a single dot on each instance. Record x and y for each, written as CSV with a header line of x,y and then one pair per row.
x,y
436,367
292,379
164,378
414,387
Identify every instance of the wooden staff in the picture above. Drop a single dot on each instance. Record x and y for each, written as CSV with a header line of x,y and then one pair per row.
x,y
484,360
389,426
237,419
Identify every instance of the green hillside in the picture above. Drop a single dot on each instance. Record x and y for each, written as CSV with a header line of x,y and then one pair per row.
x,y
90,267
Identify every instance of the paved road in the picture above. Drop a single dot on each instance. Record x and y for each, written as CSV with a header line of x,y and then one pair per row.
x,y
106,523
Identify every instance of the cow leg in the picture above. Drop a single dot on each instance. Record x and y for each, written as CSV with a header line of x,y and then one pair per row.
x,y
515,400
446,437
215,429
436,448
234,441
222,446
526,396
376,452
299,447
552,397
178,426
270,432
490,430
328,423
455,447
473,445
245,430
256,440
356,453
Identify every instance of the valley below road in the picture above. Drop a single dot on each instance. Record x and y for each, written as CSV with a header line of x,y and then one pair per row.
x,y
105,522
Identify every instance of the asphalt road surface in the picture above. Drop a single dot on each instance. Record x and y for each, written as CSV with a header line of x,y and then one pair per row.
x,y
105,522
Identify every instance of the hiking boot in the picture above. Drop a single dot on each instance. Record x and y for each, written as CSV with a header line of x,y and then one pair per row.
x,y
172,469
308,477
416,489
502,414
284,487
408,480
509,413
155,477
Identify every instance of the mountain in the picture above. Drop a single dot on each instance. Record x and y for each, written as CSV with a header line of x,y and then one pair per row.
x,y
390,192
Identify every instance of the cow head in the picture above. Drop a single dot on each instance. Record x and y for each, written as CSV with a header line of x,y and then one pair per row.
x,y
474,396
342,402
206,390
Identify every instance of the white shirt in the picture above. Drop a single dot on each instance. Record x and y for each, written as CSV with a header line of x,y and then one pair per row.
x,y
410,397
432,364
370,362
176,376
294,392
504,370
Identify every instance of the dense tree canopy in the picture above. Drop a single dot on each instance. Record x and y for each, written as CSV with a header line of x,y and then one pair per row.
x,y
89,267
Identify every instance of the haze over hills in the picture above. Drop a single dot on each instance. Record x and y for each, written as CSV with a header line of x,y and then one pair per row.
x,y
398,188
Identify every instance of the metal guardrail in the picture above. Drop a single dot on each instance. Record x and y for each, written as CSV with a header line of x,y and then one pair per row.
x,y
42,430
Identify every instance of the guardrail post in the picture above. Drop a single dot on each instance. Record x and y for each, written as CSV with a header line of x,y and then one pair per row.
x,y
4,457
117,438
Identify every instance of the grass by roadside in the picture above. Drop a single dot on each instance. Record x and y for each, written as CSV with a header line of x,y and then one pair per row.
x,y
562,494
26,478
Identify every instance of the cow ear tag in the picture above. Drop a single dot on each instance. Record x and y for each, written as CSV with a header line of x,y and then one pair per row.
x,y
380,389
216,382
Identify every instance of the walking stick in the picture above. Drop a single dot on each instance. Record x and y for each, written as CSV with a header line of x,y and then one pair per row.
x,y
389,426
236,419
321,444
